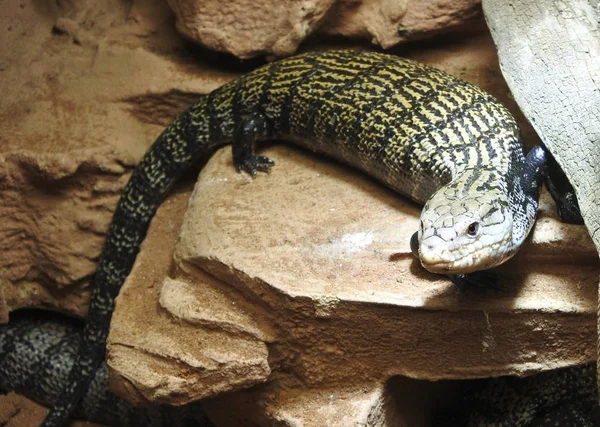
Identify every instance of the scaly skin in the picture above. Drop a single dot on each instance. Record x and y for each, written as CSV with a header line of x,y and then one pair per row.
x,y
427,135
558,398
37,351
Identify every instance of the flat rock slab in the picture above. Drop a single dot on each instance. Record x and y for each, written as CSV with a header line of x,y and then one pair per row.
x,y
312,286
356,405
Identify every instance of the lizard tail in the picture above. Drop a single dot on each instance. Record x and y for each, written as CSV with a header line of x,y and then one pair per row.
x,y
37,350
181,144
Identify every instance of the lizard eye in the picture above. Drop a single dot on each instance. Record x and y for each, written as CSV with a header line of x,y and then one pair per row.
x,y
473,229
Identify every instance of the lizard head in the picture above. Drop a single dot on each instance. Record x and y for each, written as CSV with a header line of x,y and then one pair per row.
x,y
464,231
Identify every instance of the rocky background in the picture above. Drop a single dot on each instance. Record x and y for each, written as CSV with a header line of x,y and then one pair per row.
x,y
332,305
277,28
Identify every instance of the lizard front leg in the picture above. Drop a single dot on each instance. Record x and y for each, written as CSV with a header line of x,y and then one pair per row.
x,y
251,128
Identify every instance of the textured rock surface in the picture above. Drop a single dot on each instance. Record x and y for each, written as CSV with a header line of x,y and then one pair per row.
x,y
179,350
247,28
76,115
359,404
219,355
328,282
54,209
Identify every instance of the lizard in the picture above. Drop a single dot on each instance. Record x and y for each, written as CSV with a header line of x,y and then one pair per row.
x,y
436,139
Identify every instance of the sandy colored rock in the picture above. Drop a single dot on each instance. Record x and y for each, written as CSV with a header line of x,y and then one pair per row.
x,y
85,92
330,249
202,316
320,294
148,355
386,23
365,404
248,28
276,28
54,207
402,402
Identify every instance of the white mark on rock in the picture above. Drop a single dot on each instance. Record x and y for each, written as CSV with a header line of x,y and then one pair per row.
x,y
488,341
354,242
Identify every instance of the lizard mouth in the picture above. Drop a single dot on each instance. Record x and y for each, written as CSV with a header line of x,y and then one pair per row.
x,y
435,262
463,257
443,261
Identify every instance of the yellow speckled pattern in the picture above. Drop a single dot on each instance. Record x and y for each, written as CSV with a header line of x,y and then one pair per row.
x,y
394,118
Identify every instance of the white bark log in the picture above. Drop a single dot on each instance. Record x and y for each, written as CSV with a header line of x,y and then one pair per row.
x,y
549,54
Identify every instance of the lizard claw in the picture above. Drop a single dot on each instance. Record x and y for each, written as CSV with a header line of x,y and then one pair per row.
x,y
253,164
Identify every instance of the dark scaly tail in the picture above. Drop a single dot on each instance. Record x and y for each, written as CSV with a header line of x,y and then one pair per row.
x,y
183,142
37,350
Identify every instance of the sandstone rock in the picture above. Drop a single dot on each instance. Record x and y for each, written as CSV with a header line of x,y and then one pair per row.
x,y
364,404
203,316
226,348
329,249
318,294
72,132
386,23
402,402
276,28
54,208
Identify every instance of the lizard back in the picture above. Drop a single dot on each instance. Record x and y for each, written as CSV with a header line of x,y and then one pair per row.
x,y
411,126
